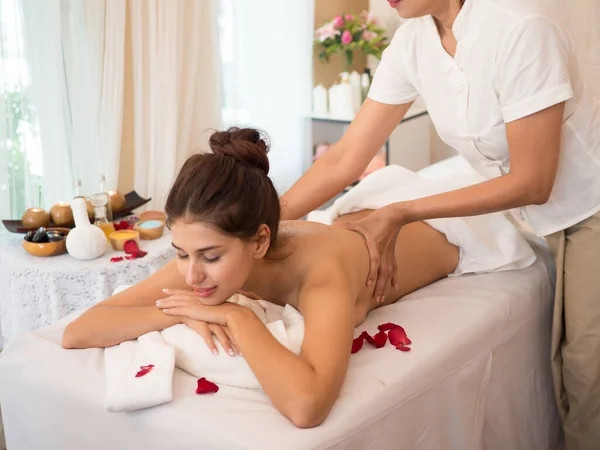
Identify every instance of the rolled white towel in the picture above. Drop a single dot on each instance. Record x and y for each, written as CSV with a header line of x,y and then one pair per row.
x,y
180,346
193,355
127,392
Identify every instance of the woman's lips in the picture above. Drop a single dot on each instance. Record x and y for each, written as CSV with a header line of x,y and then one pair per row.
x,y
394,3
204,293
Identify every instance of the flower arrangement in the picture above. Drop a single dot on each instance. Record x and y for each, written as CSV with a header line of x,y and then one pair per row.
x,y
349,33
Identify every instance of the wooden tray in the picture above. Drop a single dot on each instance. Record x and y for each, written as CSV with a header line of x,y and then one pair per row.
x,y
132,201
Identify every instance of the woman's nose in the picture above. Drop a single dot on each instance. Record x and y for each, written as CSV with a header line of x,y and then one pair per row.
x,y
195,275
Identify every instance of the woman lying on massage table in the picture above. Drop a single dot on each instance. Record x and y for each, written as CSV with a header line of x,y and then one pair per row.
x,y
223,212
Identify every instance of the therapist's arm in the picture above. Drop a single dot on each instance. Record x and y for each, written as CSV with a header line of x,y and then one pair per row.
x,y
345,161
534,145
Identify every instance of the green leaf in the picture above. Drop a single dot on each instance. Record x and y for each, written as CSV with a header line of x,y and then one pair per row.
x,y
349,59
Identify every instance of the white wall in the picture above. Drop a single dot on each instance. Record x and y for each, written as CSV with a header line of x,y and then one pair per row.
x,y
403,142
582,20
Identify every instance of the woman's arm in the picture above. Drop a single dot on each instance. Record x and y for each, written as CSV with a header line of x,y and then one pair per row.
x,y
305,387
345,161
534,145
126,315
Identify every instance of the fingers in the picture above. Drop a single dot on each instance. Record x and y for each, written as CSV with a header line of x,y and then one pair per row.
x,y
378,293
222,337
395,273
180,311
175,301
230,336
375,261
204,331
178,291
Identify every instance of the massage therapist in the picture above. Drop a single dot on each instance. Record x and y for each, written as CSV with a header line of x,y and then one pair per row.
x,y
501,85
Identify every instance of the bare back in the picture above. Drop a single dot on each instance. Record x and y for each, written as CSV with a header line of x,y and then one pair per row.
x,y
423,256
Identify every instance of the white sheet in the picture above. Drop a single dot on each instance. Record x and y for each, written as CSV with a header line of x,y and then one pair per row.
x,y
477,377
487,243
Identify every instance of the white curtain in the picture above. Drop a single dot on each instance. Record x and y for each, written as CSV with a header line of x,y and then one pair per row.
x,y
176,88
76,49
93,49
266,47
20,167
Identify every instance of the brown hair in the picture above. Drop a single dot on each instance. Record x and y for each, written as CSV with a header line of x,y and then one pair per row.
x,y
230,187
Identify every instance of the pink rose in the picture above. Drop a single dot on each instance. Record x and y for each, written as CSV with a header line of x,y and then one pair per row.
x,y
369,35
349,17
338,22
369,18
346,37
326,31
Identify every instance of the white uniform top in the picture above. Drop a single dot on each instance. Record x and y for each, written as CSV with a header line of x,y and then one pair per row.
x,y
511,61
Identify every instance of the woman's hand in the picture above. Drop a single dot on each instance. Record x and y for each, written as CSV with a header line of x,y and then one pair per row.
x,y
204,319
380,230
210,331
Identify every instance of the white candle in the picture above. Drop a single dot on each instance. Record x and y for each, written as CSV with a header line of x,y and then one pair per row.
x,y
320,100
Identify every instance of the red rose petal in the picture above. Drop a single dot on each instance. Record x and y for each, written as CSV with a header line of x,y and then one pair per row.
x,y
376,341
357,344
122,225
140,254
380,339
130,247
367,337
144,370
386,326
397,335
116,259
206,387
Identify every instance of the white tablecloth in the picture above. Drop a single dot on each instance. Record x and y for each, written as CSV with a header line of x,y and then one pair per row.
x,y
36,292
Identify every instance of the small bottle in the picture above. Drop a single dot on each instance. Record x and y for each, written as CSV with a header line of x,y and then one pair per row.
x,y
102,222
345,97
103,190
356,90
78,189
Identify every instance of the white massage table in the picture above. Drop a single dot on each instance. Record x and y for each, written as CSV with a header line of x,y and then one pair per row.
x,y
477,377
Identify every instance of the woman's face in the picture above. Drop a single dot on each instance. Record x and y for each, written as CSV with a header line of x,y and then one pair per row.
x,y
409,9
215,265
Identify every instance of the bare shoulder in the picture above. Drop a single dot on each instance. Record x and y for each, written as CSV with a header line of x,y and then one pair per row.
x,y
318,241
325,255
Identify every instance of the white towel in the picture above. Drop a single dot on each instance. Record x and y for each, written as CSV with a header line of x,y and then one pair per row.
x,y
488,243
180,346
125,391
193,355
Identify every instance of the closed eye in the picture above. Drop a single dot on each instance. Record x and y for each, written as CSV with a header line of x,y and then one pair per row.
x,y
180,256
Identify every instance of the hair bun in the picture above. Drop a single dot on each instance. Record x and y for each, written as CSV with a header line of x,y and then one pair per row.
x,y
246,145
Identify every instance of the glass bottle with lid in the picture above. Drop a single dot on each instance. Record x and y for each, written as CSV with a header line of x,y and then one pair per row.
x,y
104,191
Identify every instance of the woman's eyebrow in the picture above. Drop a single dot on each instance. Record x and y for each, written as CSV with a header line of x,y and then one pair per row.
x,y
200,250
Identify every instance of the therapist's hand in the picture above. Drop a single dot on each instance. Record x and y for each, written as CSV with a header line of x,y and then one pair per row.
x,y
380,230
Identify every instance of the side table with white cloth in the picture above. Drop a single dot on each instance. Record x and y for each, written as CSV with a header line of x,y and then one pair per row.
x,y
38,291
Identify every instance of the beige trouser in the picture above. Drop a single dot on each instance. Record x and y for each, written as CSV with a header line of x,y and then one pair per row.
x,y
576,332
